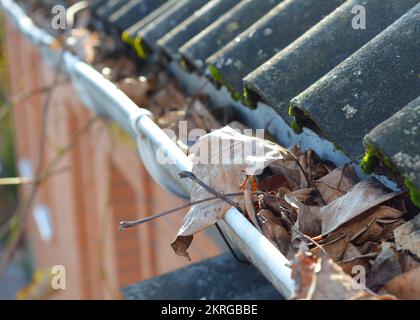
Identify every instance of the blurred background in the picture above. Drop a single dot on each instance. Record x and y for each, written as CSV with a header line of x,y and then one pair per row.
x,y
92,180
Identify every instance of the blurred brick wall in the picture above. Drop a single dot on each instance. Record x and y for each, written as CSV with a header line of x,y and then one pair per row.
x,y
105,183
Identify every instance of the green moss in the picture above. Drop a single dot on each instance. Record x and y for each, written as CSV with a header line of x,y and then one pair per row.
x,y
140,48
414,191
369,162
127,38
296,127
184,65
373,157
247,101
215,73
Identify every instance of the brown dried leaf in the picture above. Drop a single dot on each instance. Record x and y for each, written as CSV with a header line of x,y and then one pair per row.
x,y
335,248
291,167
323,280
406,285
181,244
337,183
273,183
362,197
303,195
384,268
308,217
303,272
273,229
353,257
407,236
212,167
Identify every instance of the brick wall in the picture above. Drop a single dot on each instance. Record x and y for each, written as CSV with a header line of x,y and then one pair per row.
x,y
105,183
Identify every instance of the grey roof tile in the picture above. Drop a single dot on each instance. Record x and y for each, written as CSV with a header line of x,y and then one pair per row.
x,y
318,51
273,32
173,40
166,22
396,142
367,88
346,82
96,4
130,34
109,7
133,11
217,35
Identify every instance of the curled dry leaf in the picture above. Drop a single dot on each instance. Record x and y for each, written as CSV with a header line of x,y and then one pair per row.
x,y
219,162
337,183
357,241
407,236
308,217
406,285
362,197
322,279
384,268
303,272
352,257
274,230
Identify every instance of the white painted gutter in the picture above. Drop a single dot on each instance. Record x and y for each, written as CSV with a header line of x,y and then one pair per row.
x,y
104,98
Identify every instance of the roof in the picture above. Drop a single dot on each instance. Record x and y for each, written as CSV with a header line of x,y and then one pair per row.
x,y
397,141
218,278
339,81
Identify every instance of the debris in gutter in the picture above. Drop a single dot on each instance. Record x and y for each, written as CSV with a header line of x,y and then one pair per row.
x,y
298,200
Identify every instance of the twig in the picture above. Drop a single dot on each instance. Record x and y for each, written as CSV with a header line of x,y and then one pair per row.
x,y
368,255
24,180
192,176
129,224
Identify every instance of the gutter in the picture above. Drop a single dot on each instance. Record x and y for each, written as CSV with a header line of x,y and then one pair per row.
x,y
105,99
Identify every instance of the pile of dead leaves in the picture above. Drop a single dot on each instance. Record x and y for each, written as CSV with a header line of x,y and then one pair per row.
x,y
351,229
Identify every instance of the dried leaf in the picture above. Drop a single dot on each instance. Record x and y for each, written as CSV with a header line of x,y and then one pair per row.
x,y
223,168
337,183
335,248
308,217
273,229
406,285
384,268
273,183
353,257
362,197
303,272
407,236
323,280
292,167
181,244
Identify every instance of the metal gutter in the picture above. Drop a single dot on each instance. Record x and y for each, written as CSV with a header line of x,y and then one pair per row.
x,y
104,98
